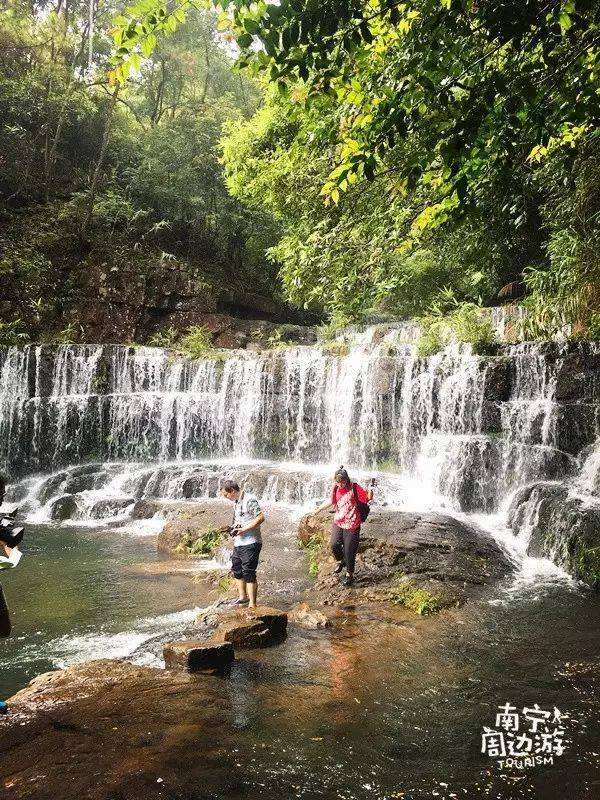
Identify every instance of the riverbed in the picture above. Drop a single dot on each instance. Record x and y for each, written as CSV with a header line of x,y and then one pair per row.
x,y
384,705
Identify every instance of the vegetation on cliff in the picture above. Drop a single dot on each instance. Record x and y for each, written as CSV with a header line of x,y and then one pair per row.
x,y
114,201
399,158
418,154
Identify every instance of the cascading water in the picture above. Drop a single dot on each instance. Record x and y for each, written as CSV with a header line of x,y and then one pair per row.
x,y
458,429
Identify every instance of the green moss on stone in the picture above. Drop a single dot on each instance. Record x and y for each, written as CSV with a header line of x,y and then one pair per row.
x,y
416,599
200,545
588,562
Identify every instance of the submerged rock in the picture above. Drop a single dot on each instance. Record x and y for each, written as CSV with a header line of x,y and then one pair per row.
x,y
310,618
563,528
64,507
446,560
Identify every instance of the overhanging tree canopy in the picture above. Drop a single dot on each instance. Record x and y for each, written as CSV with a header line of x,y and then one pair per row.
x,y
466,87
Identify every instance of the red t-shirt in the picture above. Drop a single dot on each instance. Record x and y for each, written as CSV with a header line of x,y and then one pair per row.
x,y
346,513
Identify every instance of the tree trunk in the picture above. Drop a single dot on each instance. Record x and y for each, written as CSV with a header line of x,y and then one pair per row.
x,y
90,35
93,191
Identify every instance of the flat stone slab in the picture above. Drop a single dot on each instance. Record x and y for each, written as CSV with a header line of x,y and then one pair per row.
x,y
198,656
247,628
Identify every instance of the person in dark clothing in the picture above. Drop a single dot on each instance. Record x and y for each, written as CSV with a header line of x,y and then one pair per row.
x,y
346,498
11,535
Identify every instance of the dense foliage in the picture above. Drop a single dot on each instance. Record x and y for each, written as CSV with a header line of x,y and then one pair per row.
x,y
403,158
418,153
102,191
355,255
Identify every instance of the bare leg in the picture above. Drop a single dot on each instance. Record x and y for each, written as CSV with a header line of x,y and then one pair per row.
x,y
241,587
252,591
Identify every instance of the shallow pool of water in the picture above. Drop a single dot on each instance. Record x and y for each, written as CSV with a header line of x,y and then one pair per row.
x,y
79,593
386,705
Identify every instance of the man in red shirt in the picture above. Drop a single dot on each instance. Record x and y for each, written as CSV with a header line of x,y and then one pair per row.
x,y
346,498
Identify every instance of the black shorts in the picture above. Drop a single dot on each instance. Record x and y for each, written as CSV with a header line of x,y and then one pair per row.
x,y
244,561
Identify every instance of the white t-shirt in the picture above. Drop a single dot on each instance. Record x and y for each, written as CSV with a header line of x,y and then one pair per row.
x,y
12,560
246,509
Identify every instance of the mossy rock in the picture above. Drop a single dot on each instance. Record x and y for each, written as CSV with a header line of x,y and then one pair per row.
x,y
191,522
200,544
423,599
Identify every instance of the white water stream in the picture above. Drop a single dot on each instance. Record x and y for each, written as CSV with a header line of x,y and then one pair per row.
x,y
454,431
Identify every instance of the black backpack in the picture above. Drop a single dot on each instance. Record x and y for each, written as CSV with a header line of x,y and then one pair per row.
x,y
363,508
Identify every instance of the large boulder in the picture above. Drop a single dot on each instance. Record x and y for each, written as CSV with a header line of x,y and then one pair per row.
x,y
564,528
190,520
443,559
89,679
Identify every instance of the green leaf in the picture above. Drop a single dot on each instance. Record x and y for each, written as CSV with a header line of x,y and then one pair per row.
x,y
565,21
245,40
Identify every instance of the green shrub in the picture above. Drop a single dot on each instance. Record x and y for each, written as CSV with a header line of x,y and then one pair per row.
x,y
165,338
313,547
466,325
431,339
196,343
13,334
69,335
470,327
593,328
336,323
201,545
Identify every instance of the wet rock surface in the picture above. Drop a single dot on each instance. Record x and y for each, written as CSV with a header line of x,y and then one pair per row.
x,y
564,528
437,554
281,573
245,628
189,521
309,618
64,507
198,656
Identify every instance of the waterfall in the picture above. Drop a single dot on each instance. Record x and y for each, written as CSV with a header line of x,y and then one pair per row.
x,y
464,429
